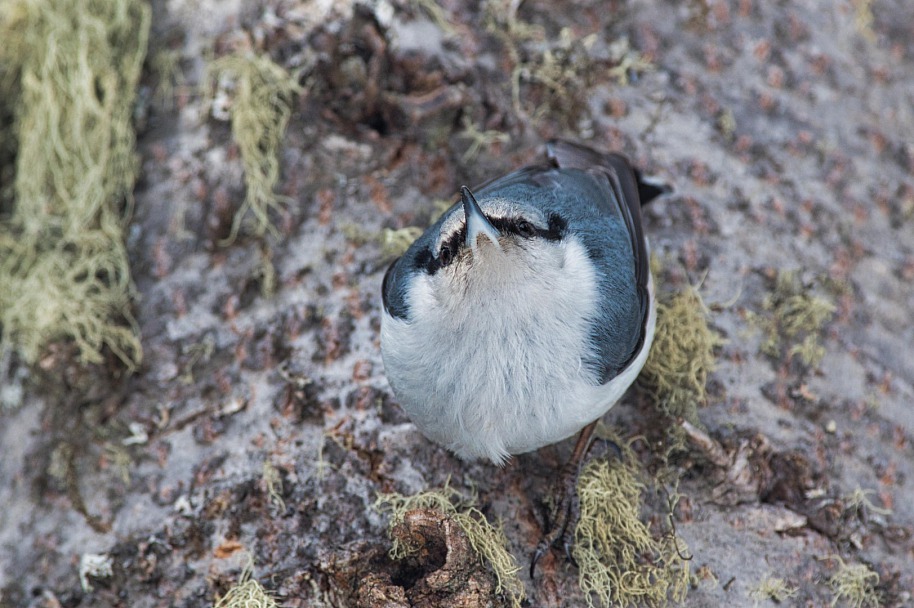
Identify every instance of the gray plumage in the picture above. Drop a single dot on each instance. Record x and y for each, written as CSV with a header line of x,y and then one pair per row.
x,y
533,330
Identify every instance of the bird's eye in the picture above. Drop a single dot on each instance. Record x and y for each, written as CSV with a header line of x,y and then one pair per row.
x,y
445,255
525,229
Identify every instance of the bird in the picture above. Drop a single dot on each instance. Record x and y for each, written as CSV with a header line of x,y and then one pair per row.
x,y
525,312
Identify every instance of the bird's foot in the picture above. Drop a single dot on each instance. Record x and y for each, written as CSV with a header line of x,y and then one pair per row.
x,y
563,517
566,507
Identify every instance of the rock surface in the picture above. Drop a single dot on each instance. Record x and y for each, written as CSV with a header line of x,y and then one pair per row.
x,y
787,131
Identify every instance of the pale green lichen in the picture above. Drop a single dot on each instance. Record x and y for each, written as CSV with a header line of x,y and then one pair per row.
x,y
556,72
726,123
266,272
854,585
119,460
96,565
246,593
772,588
627,62
479,138
196,353
273,482
859,500
259,95
69,77
620,562
437,14
863,19
166,65
488,541
682,355
793,320
395,242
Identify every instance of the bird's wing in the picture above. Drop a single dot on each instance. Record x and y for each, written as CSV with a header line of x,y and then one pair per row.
x,y
624,185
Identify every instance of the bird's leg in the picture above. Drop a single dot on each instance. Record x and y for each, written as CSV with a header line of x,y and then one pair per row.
x,y
565,500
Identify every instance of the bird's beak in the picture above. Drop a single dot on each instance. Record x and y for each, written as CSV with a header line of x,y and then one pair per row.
x,y
477,223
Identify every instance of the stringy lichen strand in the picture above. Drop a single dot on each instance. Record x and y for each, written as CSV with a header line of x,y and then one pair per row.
x,y
488,541
620,562
71,74
682,355
261,106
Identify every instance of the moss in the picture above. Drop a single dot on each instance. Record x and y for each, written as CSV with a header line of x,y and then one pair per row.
x,y
70,77
793,320
682,355
772,588
262,94
488,541
854,585
620,562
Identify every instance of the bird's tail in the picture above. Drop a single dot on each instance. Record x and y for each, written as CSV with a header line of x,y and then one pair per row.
x,y
562,153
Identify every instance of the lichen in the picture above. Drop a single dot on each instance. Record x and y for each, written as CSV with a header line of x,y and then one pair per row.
x,y
395,242
854,585
166,66
70,76
682,355
437,14
793,320
96,565
246,593
772,588
259,95
479,138
273,482
859,501
556,72
488,541
863,19
266,272
620,562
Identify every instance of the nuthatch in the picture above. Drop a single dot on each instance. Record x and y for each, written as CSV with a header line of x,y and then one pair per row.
x,y
525,312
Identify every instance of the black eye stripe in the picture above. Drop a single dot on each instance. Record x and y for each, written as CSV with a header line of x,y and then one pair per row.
x,y
556,230
527,229
446,254
522,227
452,245
425,259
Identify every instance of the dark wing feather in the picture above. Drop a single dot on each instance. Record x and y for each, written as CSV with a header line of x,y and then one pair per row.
x,y
526,175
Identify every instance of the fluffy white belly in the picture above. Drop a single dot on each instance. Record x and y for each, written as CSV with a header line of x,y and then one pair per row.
x,y
499,376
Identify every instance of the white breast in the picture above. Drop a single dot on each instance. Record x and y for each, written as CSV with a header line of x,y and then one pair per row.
x,y
490,362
